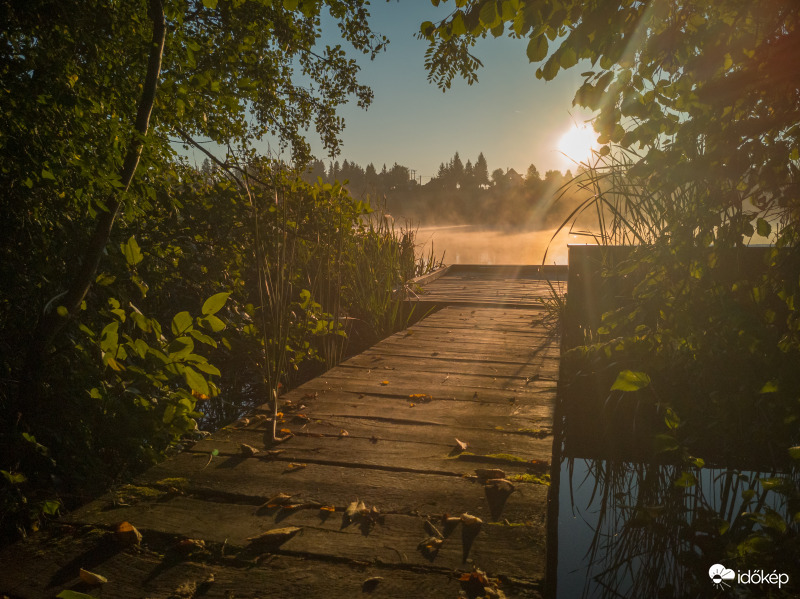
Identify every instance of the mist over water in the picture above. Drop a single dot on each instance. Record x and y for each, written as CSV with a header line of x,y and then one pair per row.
x,y
470,244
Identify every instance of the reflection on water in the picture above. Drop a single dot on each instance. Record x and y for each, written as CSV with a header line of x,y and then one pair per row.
x,y
647,530
469,244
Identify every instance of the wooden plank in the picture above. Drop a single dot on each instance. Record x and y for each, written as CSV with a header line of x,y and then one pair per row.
x,y
517,453
47,565
254,481
517,551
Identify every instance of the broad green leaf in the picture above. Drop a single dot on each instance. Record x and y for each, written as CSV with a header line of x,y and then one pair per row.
x,y
794,452
628,380
763,228
211,4
203,338
488,15
568,58
214,304
208,368
290,4
212,323
537,48
671,419
458,27
109,338
180,347
664,443
15,478
182,323
130,249
195,380
686,479
50,507
105,279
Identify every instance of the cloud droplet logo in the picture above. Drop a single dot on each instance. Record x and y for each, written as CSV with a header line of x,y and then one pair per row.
x,y
719,574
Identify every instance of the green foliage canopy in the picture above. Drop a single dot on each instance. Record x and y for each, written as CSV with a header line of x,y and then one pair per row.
x,y
708,92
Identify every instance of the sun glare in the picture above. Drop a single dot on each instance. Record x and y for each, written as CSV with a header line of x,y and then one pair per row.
x,y
577,143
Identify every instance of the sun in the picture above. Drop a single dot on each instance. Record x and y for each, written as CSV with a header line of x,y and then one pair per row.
x,y
577,143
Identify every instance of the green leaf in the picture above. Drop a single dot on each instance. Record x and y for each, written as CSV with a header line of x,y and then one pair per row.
x,y
628,380
109,337
763,228
290,4
212,323
133,255
50,507
537,48
182,323
458,27
15,478
794,452
48,175
208,368
671,419
686,479
196,381
769,387
214,304
203,338
488,15
210,4
664,443
568,58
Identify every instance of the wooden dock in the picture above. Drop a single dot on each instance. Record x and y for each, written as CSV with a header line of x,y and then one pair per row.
x,y
385,489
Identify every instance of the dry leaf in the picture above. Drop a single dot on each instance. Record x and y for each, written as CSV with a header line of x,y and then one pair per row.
x,y
361,507
461,445
343,433
278,500
275,536
420,397
411,405
373,439
430,546
489,473
327,508
285,431
384,382
294,466
127,534
310,395
351,510
470,521
248,450
191,544
91,578
500,485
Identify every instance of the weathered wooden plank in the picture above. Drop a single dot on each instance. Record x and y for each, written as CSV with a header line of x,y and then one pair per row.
x,y
517,551
472,413
519,453
254,481
47,565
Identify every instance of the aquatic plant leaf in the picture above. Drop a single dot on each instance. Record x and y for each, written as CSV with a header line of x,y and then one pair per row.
x,y
628,380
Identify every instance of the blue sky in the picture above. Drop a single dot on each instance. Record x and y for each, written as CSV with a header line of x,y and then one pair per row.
x,y
509,115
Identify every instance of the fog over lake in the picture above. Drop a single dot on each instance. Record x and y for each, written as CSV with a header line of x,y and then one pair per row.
x,y
470,244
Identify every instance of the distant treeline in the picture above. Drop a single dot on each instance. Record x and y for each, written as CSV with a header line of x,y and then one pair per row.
x,y
459,193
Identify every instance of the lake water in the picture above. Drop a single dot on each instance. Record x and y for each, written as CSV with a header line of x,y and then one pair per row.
x,y
470,244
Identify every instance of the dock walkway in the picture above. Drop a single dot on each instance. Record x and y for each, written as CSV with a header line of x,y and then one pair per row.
x,y
382,489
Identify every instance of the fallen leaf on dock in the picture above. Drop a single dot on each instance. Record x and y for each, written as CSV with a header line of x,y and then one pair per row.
x,y
248,450
489,473
91,578
430,546
310,395
127,534
461,445
276,536
471,521
189,545
285,431
327,508
343,433
420,397
278,500
384,382
294,466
